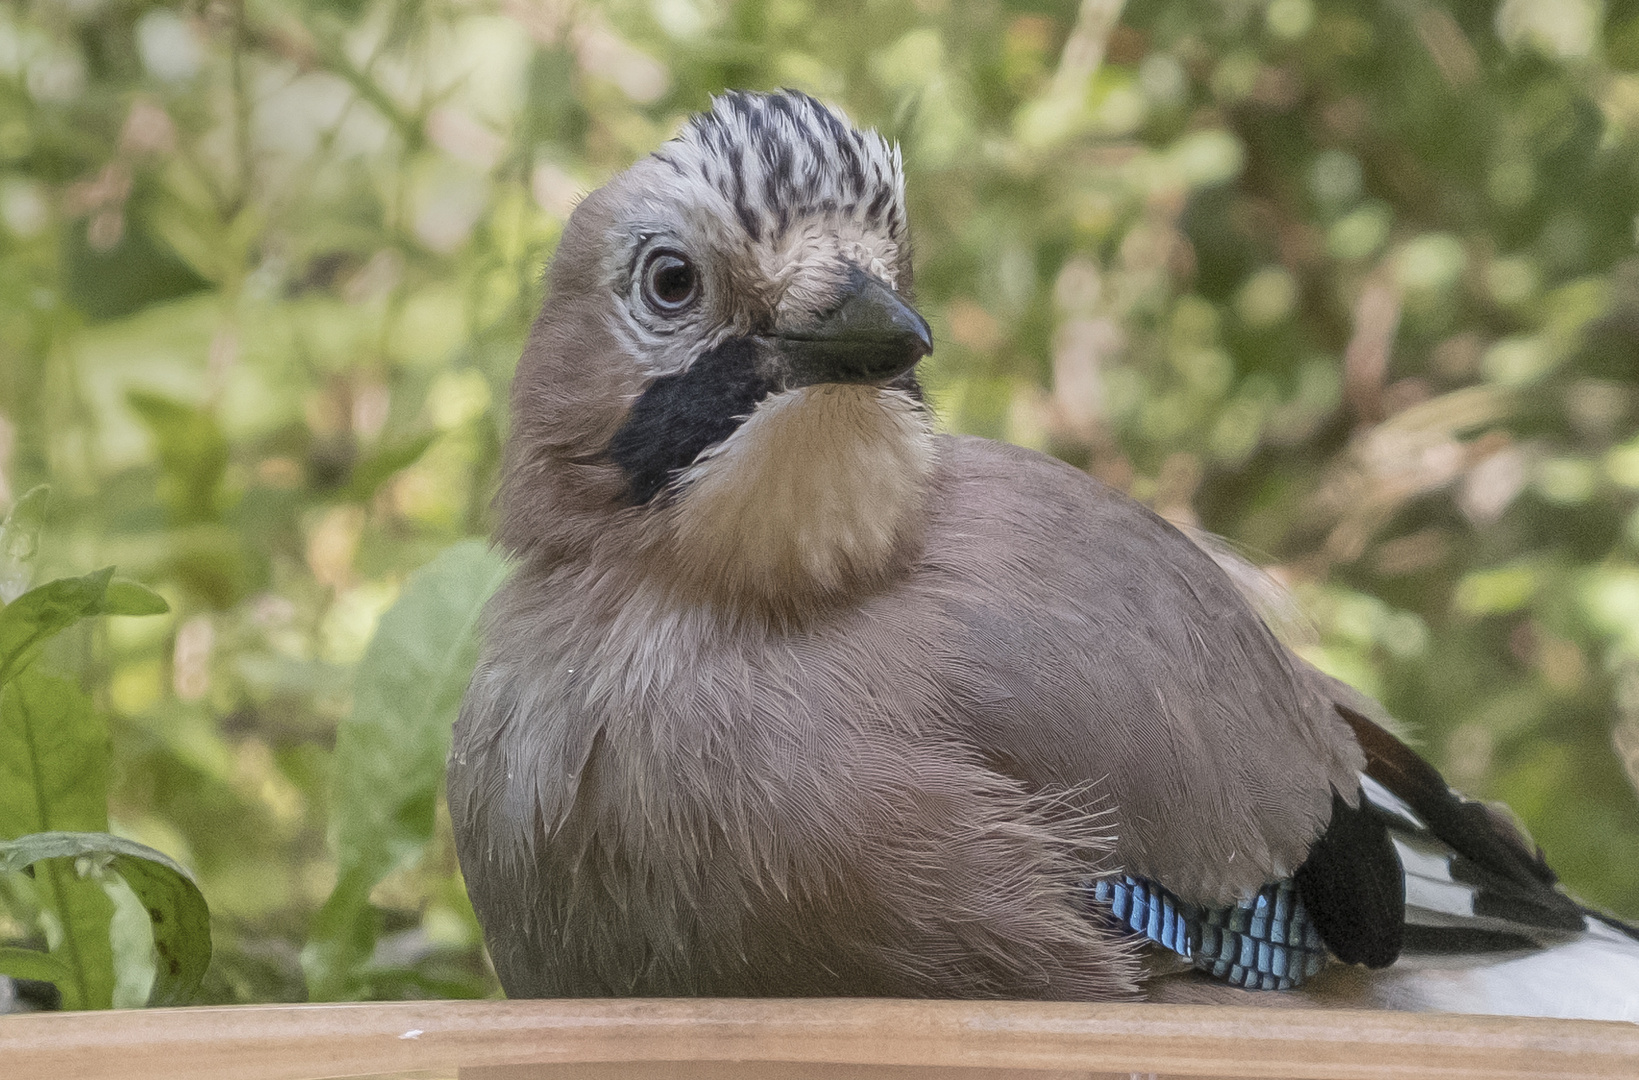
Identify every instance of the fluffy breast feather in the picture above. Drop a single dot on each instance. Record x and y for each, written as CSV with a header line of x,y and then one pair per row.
x,y
820,488
754,812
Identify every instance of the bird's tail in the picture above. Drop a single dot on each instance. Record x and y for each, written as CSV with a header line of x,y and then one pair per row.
x,y
1488,928
1592,976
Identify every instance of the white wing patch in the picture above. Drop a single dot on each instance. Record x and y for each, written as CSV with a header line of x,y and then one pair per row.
x,y
1390,803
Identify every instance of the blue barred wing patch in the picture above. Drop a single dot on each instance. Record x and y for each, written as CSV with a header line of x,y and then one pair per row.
x,y
1265,943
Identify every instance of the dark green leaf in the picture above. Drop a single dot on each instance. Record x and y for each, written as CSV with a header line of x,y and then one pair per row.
x,y
341,938
390,751
139,270
49,609
192,451
176,908
180,918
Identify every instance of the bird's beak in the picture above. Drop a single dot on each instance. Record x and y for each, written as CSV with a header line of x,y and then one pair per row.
x,y
871,336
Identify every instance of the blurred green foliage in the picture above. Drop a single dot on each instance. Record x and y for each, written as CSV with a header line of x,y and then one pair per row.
x,y
99,919
1354,284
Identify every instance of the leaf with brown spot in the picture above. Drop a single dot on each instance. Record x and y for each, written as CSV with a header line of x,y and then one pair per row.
x,y
181,920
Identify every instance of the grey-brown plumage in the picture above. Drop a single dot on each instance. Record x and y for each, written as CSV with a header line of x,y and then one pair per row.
x,y
791,695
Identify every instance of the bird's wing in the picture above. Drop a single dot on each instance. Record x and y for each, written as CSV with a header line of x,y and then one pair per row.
x,y
1096,650
1107,653
1473,879
1414,869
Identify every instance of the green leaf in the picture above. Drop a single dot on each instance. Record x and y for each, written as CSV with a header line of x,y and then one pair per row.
x,y
77,914
53,758
390,751
49,609
176,908
129,598
341,938
1496,591
33,964
54,776
180,918
20,531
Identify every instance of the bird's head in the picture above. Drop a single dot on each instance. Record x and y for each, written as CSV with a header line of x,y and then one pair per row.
x,y
721,382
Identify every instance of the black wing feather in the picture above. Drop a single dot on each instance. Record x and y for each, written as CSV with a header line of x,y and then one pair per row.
x,y
1514,894
1353,887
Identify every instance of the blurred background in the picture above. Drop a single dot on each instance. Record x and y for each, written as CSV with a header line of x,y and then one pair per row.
x,y
1354,283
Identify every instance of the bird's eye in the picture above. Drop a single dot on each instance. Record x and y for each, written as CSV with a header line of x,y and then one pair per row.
x,y
670,283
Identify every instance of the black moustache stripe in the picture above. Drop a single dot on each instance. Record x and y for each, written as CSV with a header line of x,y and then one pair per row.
x,y
679,416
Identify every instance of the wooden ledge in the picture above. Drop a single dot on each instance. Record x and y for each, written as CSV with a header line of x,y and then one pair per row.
x,y
799,1040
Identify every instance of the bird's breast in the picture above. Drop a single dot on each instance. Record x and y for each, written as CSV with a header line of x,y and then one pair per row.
x,y
819,489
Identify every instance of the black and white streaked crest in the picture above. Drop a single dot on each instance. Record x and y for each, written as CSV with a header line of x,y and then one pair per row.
x,y
783,157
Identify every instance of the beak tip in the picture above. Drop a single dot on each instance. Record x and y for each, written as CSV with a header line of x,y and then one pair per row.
x,y
918,335
924,340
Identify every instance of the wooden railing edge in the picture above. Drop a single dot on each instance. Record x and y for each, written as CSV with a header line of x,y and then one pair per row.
x,y
299,1042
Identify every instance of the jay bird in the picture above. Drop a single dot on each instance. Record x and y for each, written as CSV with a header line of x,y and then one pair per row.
x,y
790,694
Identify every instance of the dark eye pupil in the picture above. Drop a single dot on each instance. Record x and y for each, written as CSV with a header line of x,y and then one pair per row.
x,y
671,280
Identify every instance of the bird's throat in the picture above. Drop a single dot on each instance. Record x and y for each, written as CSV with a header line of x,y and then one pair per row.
x,y
821,491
